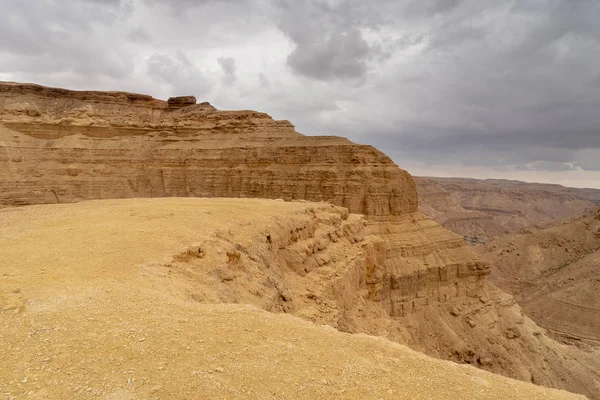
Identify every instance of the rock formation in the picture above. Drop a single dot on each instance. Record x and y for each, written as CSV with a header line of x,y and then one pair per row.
x,y
444,207
63,146
483,209
412,281
181,101
112,299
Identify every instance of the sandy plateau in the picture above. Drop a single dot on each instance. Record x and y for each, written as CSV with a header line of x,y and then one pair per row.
x,y
97,301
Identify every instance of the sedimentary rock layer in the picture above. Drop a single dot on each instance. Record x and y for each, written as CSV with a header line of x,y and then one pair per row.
x,y
64,146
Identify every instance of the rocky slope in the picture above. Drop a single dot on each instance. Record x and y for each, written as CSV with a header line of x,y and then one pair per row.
x,y
444,207
412,281
483,209
117,299
555,274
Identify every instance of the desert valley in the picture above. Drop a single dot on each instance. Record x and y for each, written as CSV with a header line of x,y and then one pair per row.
x,y
157,249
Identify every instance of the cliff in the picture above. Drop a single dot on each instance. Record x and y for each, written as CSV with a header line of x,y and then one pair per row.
x,y
64,146
117,299
411,280
61,146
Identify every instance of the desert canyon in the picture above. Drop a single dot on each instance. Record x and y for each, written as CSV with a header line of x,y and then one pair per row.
x,y
481,210
157,249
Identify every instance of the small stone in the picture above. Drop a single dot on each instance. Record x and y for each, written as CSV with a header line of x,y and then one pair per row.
x,y
155,388
513,333
285,296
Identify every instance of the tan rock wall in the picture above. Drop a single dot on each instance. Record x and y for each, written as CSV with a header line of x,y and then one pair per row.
x,y
58,146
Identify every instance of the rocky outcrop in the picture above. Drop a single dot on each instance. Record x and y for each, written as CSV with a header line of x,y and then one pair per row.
x,y
181,101
444,207
409,279
62,146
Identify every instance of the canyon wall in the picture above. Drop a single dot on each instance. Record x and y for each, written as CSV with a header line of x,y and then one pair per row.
x,y
63,146
415,282
481,209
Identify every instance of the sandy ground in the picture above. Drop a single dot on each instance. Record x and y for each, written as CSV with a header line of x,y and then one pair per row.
x,y
80,317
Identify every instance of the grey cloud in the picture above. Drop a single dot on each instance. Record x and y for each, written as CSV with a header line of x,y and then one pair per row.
x,y
46,37
546,166
428,8
329,36
522,167
139,35
179,73
502,84
328,39
180,8
338,55
264,80
229,68
499,83
588,159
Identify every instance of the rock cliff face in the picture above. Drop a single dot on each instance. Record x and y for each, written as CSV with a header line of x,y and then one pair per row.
x,y
64,146
411,281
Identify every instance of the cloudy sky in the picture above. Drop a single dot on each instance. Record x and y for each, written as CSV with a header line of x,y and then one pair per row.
x,y
481,88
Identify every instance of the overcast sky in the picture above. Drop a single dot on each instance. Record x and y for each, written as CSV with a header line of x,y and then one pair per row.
x,y
481,88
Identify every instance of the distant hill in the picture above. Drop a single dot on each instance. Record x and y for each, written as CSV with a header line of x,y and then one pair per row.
x,y
554,272
483,209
